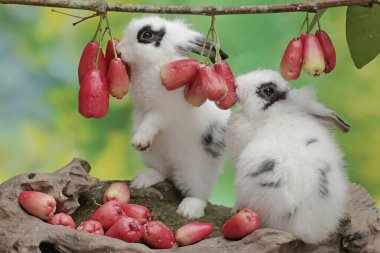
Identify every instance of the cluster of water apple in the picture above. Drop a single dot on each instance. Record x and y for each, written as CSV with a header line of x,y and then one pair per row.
x,y
100,76
314,53
132,222
201,81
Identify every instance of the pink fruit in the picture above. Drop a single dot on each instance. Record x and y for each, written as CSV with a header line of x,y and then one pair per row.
x,y
193,232
88,60
117,191
303,37
93,95
213,84
62,219
291,63
194,93
37,204
314,61
241,224
110,53
126,229
328,50
224,70
178,73
158,236
91,227
108,214
118,79
140,213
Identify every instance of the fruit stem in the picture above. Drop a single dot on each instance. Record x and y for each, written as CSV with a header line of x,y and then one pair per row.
x,y
97,29
99,42
302,26
307,23
316,18
112,38
204,45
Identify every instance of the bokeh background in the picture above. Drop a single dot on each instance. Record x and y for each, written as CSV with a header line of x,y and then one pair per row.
x,y
41,129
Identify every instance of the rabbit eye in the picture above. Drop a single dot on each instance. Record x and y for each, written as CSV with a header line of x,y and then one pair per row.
x,y
147,35
268,91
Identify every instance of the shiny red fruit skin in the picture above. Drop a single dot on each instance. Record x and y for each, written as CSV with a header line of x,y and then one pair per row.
x,y
126,229
38,204
328,50
213,84
94,95
110,54
62,219
194,93
241,224
117,79
224,70
291,62
108,214
91,227
193,232
138,212
158,236
303,37
88,60
178,73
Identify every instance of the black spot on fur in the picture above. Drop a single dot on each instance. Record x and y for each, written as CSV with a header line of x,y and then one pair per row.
x,y
213,140
274,184
311,141
146,35
270,93
323,182
266,166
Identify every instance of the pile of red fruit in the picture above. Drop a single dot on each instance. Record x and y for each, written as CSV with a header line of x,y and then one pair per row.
x,y
201,82
132,223
100,76
314,53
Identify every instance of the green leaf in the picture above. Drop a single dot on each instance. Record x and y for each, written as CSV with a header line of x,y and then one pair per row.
x,y
363,33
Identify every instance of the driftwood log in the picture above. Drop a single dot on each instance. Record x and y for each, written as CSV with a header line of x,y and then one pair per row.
x,y
78,194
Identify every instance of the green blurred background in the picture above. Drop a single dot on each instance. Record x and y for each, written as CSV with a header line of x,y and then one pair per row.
x,y
41,129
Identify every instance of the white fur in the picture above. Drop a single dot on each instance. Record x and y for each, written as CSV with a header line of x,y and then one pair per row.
x,y
164,124
280,134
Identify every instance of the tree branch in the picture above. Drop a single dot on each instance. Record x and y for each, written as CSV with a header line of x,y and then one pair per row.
x,y
102,7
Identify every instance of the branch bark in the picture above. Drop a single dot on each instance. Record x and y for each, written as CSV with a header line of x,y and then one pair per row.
x,y
102,7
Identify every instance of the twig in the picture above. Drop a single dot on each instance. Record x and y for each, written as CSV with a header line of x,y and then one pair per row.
x,y
102,7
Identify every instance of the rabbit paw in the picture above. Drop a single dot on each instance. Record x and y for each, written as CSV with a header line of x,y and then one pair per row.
x,y
191,208
142,140
147,178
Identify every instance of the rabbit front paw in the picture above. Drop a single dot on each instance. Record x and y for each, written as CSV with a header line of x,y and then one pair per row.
x,y
142,140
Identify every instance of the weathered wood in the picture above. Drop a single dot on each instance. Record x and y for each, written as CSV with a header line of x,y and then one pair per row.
x,y
20,232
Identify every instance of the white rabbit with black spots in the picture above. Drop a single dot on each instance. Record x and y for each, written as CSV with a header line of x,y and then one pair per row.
x,y
177,141
289,169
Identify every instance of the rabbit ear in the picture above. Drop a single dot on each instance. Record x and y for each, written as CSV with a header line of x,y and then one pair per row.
x,y
305,98
332,120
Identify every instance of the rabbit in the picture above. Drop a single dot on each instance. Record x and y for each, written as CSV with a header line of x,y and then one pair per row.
x,y
177,141
288,167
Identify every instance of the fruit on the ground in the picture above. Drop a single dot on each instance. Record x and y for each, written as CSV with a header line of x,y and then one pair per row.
x,y
108,214
88,60
91,227
213,84
126,229
138,212
178,73
193,232
291,62
110,53
241,224
314,61
117,191
93,95
62,219
194,93
328,50
158,236
224,70
37,204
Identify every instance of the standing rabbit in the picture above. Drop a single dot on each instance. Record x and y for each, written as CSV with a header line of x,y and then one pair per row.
x,y
177,141
289,168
